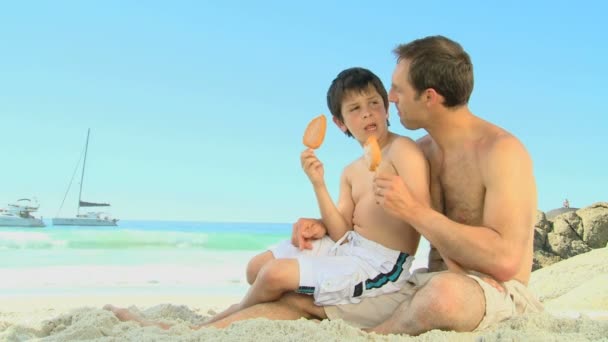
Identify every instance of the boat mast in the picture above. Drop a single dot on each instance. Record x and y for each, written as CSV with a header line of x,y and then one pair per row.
x,y
84,163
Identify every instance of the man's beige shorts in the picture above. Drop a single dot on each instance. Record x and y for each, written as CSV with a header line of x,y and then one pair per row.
x,y
370,312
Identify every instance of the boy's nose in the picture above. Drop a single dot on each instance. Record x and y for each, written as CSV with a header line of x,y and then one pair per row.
x,y
366,112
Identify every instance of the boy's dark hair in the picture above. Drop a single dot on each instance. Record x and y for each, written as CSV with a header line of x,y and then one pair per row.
x,y
439,63
349,80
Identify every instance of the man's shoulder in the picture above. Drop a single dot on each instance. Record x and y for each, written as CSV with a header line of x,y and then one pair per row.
x,y
495,138
501,151
503,142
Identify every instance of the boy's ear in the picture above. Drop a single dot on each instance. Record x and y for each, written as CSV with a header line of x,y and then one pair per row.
x,y
340,124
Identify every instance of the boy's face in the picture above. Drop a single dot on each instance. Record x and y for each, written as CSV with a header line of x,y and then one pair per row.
x,y
364,114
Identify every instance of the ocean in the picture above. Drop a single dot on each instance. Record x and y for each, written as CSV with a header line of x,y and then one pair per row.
x,y
137,257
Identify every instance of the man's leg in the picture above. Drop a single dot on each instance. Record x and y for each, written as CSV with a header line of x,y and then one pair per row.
x,y
291,306
449,301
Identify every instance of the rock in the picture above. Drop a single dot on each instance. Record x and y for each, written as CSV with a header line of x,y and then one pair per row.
x,y
595,224
552,214
541,228
542,222
565,232
544,259
569,225
540,238
565,247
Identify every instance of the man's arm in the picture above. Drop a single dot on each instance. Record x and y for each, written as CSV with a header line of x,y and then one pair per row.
x,y
306,230
497,248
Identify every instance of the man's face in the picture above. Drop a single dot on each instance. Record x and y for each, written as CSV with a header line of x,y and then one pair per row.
x,y
364,114
402,94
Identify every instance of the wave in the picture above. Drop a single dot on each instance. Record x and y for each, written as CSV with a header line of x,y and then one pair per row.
x,y
133,239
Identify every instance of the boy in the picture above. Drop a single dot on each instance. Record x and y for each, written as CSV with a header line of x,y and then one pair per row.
x,y
372,251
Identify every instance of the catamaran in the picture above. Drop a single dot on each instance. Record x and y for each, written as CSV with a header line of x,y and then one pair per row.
x,y
18,214
91,218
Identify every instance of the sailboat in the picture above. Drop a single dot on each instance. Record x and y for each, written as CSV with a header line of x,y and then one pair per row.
x,y
91,218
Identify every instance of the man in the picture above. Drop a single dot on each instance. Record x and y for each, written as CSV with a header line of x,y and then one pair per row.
x,y
481,222
484,198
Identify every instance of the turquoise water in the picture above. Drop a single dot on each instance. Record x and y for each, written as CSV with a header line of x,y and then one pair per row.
x,y
145,235
136,255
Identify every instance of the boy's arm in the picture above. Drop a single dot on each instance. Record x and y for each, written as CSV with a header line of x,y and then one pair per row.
x,y
337,219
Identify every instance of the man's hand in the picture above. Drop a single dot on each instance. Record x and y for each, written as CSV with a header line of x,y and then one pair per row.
x,y
394,196
494,284
306,230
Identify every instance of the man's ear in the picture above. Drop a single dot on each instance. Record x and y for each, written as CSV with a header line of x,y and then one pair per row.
x,y
340,124
432,97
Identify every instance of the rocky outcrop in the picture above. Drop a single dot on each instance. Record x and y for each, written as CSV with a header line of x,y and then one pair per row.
x,y
569,233
552,214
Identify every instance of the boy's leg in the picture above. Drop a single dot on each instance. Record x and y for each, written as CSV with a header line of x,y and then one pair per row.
x,y
276,277
290,306
126,315
255,265
283,251
286,250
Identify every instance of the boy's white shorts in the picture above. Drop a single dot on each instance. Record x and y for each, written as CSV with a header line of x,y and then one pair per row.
x,y
341,273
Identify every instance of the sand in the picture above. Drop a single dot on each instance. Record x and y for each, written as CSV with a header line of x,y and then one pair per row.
x,y
574,291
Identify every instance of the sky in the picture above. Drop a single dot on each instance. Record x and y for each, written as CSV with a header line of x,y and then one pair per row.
x,y
197,108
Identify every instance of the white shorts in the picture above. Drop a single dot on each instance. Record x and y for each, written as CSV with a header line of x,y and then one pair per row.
x,y
336,273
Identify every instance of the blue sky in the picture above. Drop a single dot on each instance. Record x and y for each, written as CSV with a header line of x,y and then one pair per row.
x,y
197,108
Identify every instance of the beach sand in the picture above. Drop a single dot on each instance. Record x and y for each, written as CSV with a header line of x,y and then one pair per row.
x,y
574,291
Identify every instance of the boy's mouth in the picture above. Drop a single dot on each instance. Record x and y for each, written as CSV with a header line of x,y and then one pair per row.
x,y
371,127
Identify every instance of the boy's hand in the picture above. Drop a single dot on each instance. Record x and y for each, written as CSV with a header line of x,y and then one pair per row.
x,y
312,166
306,230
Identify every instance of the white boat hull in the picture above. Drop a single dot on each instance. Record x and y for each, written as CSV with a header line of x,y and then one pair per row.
x,y
81,221
20,222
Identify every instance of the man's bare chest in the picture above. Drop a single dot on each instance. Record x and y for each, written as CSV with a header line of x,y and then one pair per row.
x,y
458,187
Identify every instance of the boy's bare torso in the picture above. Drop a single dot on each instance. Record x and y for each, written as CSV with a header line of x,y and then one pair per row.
x,y
369,219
